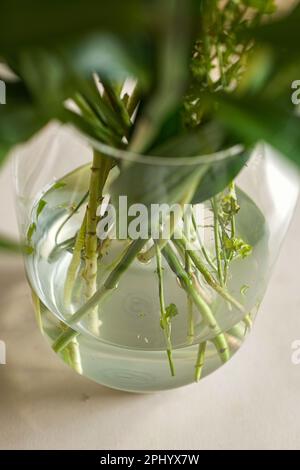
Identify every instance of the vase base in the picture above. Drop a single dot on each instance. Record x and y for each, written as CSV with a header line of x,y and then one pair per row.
x,y
133,370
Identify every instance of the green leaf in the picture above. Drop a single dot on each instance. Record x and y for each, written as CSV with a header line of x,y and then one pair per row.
x,y
18,124
35,23
244,289
31,230
237,247
252,233
19,118
206,140
219,175
42,204
265,6
58,185
171,71
254,120
171,312
53,76
150,184
282,35
105,54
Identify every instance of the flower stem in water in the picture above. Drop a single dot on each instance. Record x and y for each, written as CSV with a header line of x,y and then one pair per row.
x,y
100,169
200,361
109,285
75,264
165,322
219,339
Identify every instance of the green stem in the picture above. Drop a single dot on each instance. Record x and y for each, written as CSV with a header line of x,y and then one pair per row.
x,y
182,243
75,263
217,241
219,338
74,355
73,212
191,326
200,361
109,285
203,249
165,324
99,172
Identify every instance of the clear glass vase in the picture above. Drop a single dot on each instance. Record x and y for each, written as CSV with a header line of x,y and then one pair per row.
x,y
142,278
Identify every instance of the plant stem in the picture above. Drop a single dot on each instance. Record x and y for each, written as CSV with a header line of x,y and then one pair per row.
x,y
165,324
182,243
190,314
73,212
71,354
219,339
109,285
74,355
228,259
203,249
217,241
100,169
200,361
75,263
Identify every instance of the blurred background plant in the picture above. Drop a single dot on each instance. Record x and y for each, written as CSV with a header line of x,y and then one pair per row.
x,y
206,73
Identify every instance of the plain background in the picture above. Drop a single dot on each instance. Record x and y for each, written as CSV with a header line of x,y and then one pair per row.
x,y
251,403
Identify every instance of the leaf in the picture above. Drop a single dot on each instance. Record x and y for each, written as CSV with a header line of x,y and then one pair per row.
x,y
31,230
35,23
18,124
282,35
4,150
42,204
58,185
265,6
171,312
237,247
151,184
19,119
147,183
253,120
219,175
105,54
244,289
206,140
252,233
171,71
53,76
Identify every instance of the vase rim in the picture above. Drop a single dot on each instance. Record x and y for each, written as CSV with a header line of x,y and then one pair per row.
x,y
131,156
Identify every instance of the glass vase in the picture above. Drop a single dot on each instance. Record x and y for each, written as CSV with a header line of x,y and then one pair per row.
x,y
143,278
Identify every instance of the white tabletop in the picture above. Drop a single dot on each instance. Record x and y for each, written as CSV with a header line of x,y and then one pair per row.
x,y
251,403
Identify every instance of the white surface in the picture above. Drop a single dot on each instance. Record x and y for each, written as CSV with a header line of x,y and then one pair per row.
x,y
251,403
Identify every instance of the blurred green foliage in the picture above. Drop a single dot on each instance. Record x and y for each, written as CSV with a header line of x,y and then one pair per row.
x,y
209,74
